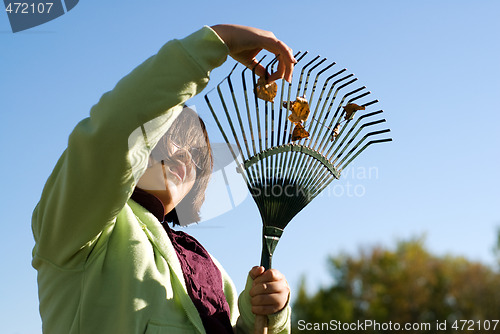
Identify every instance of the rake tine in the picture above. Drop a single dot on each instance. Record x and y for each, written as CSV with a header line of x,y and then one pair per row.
x,y
271,64
349,142
307,160
235,156
286,131
302,159
321,180
302,74
298,92
316,81
304,91
266,123
364,147
304,173
235,103
354,136
207,100
338,120
331,103
226,111
352,129
286,136
369,103
359,143
281,159
308,173
326,182
250,173
293,163
302,141
353,98
300,162
312,177
347,94
320,99
298,201
309,74
358,97
340,134
273,159
279,126
257,113
322,144
245,93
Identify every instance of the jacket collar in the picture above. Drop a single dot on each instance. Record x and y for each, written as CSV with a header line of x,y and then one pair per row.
x,y
150,202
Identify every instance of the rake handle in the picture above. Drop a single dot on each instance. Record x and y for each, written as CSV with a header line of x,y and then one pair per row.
x,y
260,326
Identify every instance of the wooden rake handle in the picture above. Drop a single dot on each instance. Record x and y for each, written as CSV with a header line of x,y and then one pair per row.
x,y
260,326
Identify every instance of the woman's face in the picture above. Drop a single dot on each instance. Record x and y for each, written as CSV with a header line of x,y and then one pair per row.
x,y
181,158
170,180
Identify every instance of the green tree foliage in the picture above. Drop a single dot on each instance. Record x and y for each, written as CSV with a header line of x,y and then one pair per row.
x,y
405,285
496,247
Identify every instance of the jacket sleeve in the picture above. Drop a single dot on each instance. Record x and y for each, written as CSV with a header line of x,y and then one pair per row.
x,y
108,151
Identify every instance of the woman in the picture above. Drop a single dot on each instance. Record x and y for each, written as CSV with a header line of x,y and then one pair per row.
x,y
105,262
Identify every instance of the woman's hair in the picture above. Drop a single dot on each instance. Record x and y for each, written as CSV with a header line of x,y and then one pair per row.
x,y
189,131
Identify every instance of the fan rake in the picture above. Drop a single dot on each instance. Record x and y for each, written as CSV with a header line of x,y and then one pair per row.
x,y
284,175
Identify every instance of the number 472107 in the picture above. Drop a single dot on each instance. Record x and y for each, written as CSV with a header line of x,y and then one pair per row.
x,y
471,325
28,8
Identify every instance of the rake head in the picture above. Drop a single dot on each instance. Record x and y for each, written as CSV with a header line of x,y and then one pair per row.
x,y
288,157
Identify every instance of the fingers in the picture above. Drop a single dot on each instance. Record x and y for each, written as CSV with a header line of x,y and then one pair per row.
x,y
270,275
286,60
256,271
269,288
268,304
283,70
269,292
280,73
259,69
244,43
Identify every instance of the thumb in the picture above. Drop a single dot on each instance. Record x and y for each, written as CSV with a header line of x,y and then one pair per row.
x,y
256,272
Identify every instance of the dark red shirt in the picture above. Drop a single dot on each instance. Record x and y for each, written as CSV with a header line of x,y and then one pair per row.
x,y
203,278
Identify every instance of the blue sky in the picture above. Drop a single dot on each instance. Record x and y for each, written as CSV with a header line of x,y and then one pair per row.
x,y
432,64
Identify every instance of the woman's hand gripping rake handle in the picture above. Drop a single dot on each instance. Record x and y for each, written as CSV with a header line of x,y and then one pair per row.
x,y
271,236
